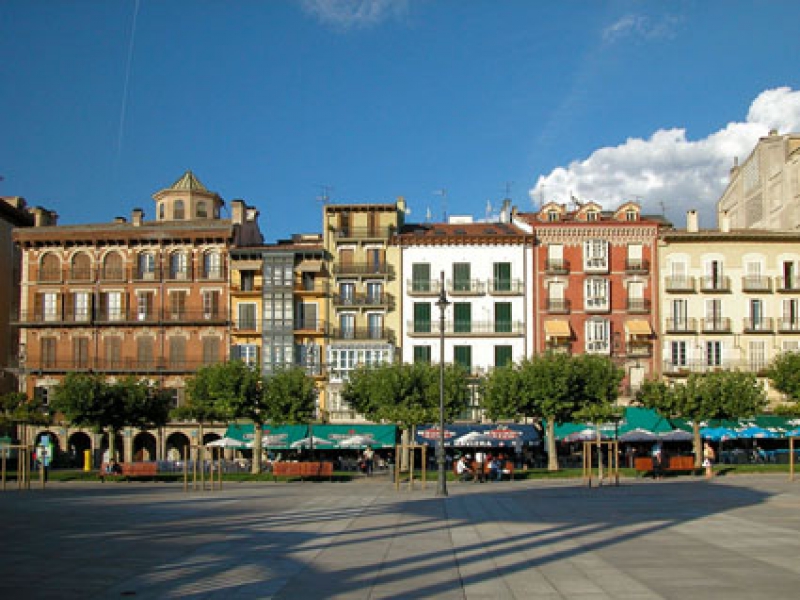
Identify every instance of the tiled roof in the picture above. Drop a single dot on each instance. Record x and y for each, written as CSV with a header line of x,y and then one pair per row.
x,y
188,182
421,231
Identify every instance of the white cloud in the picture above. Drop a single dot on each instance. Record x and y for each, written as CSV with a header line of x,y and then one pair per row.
x,y
345,15
640,26
668,168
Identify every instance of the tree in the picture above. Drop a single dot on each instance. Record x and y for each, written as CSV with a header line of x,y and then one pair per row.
x,y
784,372
406,394
201,404
556,387
89,400
705,396
289,397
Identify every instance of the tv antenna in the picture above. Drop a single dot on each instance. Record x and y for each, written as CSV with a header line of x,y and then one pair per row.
x,y
508,186
325,196
443,193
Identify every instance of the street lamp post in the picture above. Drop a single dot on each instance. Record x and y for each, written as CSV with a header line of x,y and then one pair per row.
x,y
442,304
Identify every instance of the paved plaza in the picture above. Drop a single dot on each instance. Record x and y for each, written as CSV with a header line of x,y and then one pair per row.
x,y
734,537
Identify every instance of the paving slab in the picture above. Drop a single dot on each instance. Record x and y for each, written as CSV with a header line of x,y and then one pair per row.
x,y
733,537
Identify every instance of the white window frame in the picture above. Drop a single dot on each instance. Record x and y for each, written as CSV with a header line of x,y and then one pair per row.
x,y
598,336
595,255
596,290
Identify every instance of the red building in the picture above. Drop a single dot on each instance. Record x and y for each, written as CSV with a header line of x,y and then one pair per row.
x,y
596,284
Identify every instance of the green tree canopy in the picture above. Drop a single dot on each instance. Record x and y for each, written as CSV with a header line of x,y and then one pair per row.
x,y
16,407
406,394
289,397
784,372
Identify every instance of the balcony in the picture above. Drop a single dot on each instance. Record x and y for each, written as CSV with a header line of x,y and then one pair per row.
x,y
123,365
756,283
385,301
112,274
683,325
363,333
466,287
637,266
759,325
361,269
556,266
715,284
716,325
596,265
789,325
558,306
211,273
597,304
146,274
178,275
787,284
343,234
598,347
49,276
679,284
466,328
312,288
684,368
120,316
423,287
639,349
78,275
506,287
310,326
558,346
638,305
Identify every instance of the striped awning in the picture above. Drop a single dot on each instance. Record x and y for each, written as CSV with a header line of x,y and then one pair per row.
x,y
559,328
638,327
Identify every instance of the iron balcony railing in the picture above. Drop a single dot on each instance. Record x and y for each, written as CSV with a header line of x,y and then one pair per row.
x,y
789,325
556,266
423,287
466,328
711,283
127,316
716,325
558,306
637,265
506,287
362,333
758,325
680,283
684,367
638,305
363,268
683,325
466,287
363,300
756,283
787,284
122,365
363,233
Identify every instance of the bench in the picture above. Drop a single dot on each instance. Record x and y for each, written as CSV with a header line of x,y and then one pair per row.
x,y
644,464
508,470
303,470
128,471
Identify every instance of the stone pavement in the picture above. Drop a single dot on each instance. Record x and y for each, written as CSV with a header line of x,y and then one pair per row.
x,y
735,537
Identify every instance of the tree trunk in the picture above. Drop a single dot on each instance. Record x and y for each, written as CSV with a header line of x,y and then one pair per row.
x,y
697,444
402,460
258,437
112,444
552,457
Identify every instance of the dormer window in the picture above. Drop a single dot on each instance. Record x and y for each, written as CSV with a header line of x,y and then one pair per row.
x,y
592,215
178,211
552,216
631,215
202,211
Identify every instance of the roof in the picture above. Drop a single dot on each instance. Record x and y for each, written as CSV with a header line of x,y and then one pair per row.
x,y
426,233
188,182
734,235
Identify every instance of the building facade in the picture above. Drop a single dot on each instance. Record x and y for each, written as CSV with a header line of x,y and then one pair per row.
x,y
764,191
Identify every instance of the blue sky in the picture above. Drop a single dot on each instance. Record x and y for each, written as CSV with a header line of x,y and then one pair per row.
x,y
105,102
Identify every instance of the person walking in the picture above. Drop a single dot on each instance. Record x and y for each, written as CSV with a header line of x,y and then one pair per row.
x,y
369,461
708,460
480,460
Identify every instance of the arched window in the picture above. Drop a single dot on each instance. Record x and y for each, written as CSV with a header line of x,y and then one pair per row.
x,y
112,266
178,210
50,269
178,267
81,267
202,211
212,265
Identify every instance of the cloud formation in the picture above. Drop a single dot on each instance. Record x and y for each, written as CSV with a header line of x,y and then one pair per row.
x,y
668,169
640,26
344,15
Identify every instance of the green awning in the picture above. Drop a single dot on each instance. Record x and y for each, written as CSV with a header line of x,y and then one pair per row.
x,y
356,437
278,437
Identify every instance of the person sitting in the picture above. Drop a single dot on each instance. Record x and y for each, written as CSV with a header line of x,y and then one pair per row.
x,y
495,469
464,468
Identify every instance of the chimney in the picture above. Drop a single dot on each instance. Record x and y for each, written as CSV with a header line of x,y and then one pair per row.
x,y
137,216
237,211
43,217
119,220
724,222
505,212
691,221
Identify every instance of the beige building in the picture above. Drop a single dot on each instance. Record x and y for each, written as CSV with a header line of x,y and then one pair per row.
x,y
764,191
730,299
365,292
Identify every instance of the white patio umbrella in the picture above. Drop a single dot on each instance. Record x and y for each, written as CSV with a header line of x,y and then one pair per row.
x,y
308,441
473,438
638,435
356,441
226,442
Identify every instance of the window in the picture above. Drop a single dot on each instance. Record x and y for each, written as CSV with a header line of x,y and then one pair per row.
x,y
80,352
50,268
212,265
461,277
347,325
211,348
347,293
714,354
247,353
113,352
597,297
247,316
636,295
81,267
790,316
145,302
462,356
422,317
202,211
789,276
50,306
308,358
112,266
502,277
421,277
211,304
308,316
177,352
462,317
81,306
714,319
144,352
178,265
757,320
757,355
635,260
114,306
346,256
146,265
502,317
595,255
502,356
679,318
422,354
555,257
714,275
598,334
177,304
678,353
375,326
592,215
48,352
552,216
160,211
374,293
679,278
178,211
248,280
376,258
752,278
631,215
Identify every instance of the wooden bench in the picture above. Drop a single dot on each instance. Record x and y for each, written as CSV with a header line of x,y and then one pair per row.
x,y
128,471
644,464
303,470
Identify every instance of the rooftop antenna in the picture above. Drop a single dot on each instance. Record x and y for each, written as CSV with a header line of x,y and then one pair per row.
x,y
443,193
325,196
488,210
663,210
508,188
428,215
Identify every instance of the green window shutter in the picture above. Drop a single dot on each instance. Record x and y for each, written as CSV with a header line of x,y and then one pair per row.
x,y
462,356
502,277
421,277
462,312
422,317
422,354
502,356
461,277
502,317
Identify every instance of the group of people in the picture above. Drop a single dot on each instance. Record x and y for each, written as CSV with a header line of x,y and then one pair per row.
x,y
484,464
